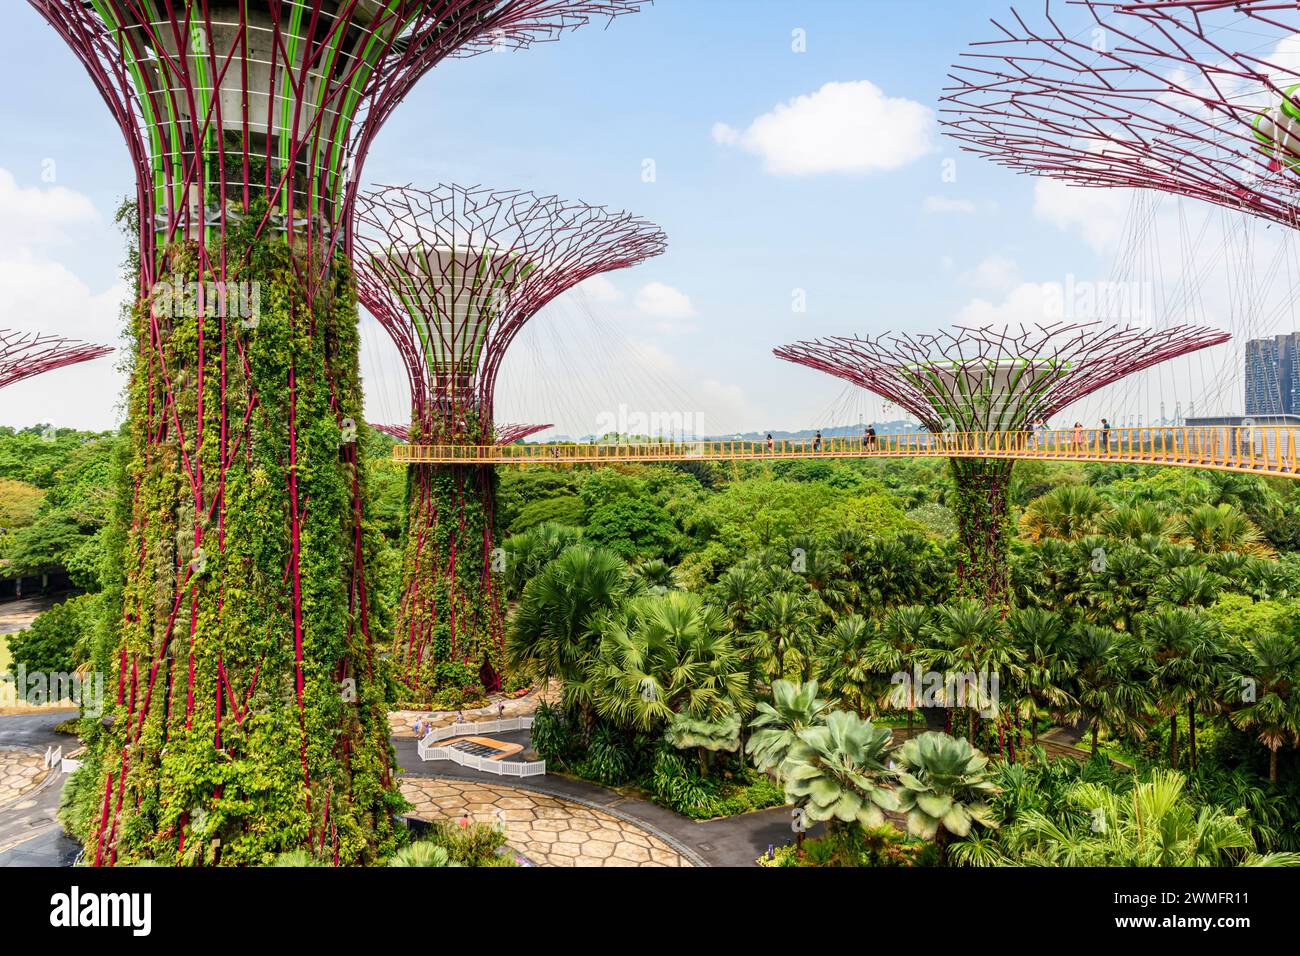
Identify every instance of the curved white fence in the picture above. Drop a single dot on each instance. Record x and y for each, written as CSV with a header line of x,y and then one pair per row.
x,y
428,748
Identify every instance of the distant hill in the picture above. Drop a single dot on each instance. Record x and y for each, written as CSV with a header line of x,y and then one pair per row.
x,y
837,431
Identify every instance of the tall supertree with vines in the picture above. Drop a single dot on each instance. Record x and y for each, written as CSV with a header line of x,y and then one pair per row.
x,y
1193,98
993,380
24,354
247,715
453,275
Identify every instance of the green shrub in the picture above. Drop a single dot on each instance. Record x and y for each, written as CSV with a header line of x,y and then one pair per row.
x,y
50,644
609,759
677,785
554,736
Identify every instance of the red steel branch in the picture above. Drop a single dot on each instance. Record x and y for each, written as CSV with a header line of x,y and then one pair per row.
x,y
553,245
1146,95
214,151
24,354
1041,368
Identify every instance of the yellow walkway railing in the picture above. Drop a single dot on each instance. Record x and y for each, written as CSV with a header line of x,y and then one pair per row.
x,y
1259,449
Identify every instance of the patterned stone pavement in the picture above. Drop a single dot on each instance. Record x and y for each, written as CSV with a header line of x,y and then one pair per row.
x,y
401,723
20,771
548,830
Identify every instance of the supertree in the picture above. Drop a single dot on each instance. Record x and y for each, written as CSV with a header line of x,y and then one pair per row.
x,y
1163,96
502,434
453,274
247,717
993,380
24,354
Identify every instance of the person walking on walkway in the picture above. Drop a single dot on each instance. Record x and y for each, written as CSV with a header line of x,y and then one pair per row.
x,y
771,445
1105,435
871,437
1077,441
817,441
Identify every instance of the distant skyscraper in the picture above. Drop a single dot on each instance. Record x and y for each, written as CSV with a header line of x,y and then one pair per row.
x,y
1273,375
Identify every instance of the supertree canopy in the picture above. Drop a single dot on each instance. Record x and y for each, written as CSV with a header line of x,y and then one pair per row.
x,y
23,355
248,714
993,380
1163,96
453,275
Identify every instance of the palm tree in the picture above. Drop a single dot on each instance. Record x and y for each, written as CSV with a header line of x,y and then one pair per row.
x,y
1189,586
899,648
970,638
1179,646
1268,673
794,707
785,621
422,854
1214,528
705,736
1151,824
1134,522
1109,688
828,577
849,544
656,576
530,551
667,654
835,771
1041,637
1120,584
944,785
554,632
738,592
1068,513
845,666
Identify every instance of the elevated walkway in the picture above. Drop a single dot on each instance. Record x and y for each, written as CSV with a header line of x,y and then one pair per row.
x,y
1262,450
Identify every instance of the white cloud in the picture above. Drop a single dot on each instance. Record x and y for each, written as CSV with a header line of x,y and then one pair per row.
x,y
941,204
1028,303
842,128
994,273
38,294
725,135
35,216
42,296
660,301
600,291
1097,214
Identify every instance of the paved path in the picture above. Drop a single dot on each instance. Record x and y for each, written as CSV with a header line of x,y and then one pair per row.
x,y
17,615
21,771
734,841
549,830
30,834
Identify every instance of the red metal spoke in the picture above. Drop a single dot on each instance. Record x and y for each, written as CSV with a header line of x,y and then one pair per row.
x,y
24,354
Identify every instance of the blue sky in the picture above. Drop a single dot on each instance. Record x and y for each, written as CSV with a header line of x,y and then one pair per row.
x,y
872,249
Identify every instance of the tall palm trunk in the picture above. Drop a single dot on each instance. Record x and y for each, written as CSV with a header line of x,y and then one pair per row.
x,y
1191,735
1096,730
1173,738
